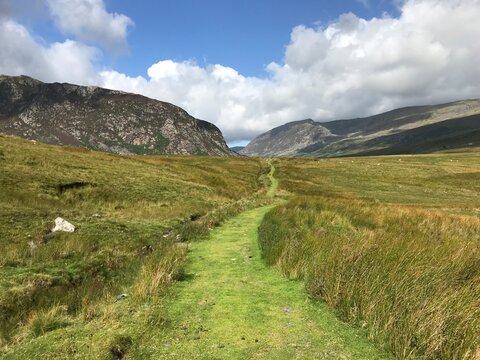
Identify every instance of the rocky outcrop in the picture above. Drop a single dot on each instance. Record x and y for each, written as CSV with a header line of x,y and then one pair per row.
x,y
102,119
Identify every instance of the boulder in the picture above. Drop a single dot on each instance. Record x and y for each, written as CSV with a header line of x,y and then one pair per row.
x,y
63,225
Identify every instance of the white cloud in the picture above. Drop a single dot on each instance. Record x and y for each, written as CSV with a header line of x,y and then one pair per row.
x,y
89,21
22,54
352,67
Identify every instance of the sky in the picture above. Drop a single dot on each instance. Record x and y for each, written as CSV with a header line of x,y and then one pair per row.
x,y
248,66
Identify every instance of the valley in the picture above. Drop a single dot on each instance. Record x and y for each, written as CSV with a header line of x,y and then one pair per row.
x,y
240,180
178,236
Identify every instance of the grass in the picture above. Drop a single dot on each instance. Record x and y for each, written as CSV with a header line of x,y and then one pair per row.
x,y
233,307
450,182
132,215
273,181
227,305
391,243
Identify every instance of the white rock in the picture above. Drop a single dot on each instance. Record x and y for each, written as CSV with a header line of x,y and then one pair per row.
x,y
63,225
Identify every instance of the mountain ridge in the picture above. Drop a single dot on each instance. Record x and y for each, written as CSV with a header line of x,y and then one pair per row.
x,y
408,130
102,119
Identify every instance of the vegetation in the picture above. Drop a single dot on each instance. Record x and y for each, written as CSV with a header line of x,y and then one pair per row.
x,y
392,243
133,217
231,306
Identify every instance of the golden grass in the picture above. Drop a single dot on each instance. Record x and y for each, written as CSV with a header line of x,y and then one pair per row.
x,y
400,261
130,213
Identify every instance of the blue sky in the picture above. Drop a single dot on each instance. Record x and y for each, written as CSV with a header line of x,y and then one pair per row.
x,y
244,35
248,66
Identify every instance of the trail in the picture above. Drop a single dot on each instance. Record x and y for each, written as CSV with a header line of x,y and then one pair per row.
x,y
231,306
273,181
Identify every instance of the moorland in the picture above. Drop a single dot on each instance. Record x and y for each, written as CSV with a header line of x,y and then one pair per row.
x,y
388,245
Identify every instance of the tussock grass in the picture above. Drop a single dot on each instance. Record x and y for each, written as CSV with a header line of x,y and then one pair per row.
x,y
131,215
402,262
44,321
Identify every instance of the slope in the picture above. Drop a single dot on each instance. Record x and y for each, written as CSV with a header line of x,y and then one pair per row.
x,y
129,212
229,305
102,119
410,130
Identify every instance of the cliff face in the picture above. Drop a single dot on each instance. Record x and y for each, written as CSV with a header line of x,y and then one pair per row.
x,y
102,119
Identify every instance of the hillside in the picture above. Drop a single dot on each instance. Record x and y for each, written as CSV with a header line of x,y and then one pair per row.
x,y
390,242
102,119
412,130
288,139
132,281
130,214
237,149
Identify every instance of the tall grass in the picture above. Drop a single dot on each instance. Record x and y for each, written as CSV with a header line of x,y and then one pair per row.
x,y
409,275
130,213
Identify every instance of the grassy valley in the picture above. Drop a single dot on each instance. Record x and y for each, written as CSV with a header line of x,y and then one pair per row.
x,y
390,243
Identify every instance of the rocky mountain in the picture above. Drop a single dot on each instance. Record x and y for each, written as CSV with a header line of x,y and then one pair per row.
x,y
237,149
411,130
288,139
102,119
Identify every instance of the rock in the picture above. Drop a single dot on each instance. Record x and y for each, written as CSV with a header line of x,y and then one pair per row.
x,y
122,296
63,225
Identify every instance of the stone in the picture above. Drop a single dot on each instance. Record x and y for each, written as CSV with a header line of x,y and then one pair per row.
x,y
63,225
122,296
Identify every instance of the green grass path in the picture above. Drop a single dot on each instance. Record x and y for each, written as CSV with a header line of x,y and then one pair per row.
x,y
273,181
231,306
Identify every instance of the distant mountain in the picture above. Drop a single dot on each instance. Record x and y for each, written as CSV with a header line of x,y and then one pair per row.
x,y
411,130
237,149
102,119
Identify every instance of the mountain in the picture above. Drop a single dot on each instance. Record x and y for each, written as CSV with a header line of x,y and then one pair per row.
x,y
237,149
411,130
288,139
102,119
